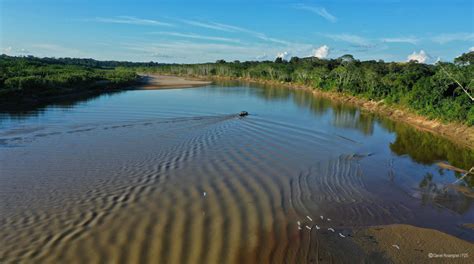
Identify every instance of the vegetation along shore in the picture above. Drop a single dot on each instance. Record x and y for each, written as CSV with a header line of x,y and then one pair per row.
x,y
31,80
436,97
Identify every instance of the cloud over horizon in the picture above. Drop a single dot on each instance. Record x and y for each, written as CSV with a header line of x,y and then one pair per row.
x,y
420,57
321,52
285,55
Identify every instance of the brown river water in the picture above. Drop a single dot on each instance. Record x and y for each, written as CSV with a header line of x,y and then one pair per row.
x,y
175,176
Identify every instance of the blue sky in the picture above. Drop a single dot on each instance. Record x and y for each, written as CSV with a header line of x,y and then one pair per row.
x,y
200,31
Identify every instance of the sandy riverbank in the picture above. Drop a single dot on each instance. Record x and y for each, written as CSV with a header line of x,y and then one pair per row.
x,y
409,244
152,82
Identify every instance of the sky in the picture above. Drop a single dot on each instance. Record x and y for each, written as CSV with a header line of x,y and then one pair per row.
x,y
185,31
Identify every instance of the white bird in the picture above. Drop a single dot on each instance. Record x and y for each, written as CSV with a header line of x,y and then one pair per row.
x,y
307,227
322,217
310,219
331,229
396,246
204,194
329,219
317,227
299,228
299,223
341,235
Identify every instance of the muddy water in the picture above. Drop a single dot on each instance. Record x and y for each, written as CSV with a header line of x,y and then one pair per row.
x,y
174,176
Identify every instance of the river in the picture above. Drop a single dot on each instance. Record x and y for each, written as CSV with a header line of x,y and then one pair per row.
x,y
175,176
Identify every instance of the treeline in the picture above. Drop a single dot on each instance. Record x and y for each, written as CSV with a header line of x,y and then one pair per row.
x,y
85,62
32,78
430,90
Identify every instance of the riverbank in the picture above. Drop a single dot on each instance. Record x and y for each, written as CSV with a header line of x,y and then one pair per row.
x,y
460,134
409,244
14,101
155,82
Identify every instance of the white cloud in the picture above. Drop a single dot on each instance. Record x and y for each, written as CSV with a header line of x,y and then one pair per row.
x,y
195,36
411,40
183,48
214,25
43,50
50,49
445,38
262,57
471,49
352,39
320,11
270,39
421,56
12,51
285,55
192,52
231,28
321,52
7,50
131,20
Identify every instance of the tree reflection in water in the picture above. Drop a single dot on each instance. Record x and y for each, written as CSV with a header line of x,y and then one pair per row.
x,y
431,192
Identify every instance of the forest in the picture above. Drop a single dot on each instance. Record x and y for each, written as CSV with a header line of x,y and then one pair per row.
x,y
31,78
435,91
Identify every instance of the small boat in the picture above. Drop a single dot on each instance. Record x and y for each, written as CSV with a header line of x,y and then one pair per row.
x,y
243,113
